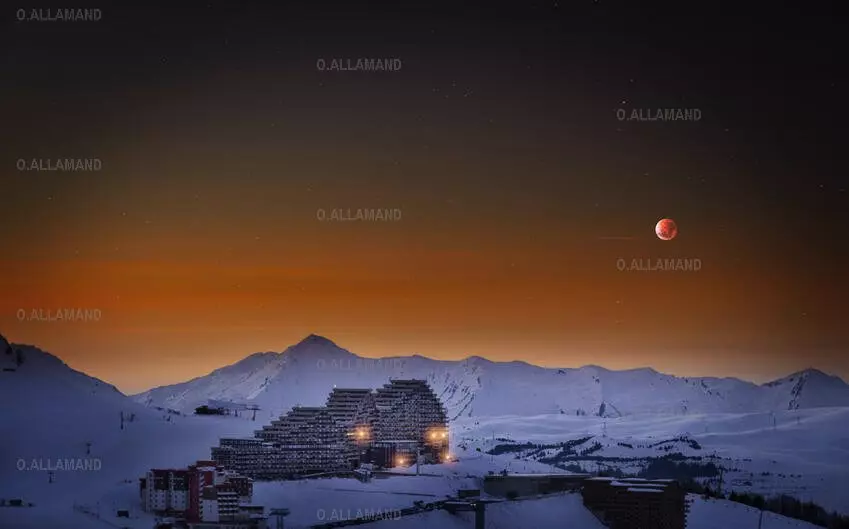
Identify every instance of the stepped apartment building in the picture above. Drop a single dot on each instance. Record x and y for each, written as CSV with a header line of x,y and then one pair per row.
x,y
354,426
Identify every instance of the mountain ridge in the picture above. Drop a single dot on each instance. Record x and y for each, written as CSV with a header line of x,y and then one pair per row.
x,y
305,372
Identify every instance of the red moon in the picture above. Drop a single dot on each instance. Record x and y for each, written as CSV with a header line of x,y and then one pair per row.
x,y
666,229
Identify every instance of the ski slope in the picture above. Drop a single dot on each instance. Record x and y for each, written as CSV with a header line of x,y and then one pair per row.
x,y
52,412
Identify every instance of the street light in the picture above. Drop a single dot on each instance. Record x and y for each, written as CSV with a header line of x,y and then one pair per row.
x,y
361,434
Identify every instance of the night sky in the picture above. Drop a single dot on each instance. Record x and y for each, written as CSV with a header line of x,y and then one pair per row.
x,y
498,140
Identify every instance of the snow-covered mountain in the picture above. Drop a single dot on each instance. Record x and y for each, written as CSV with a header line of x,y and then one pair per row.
x,y
52,412
303,374
42,396
10,359
809,389
32,376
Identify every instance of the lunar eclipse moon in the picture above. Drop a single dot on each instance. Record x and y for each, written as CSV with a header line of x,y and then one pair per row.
x,y
211,152
666,229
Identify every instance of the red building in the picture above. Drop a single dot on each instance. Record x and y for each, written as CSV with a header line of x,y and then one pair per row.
x,y
183,492
201,475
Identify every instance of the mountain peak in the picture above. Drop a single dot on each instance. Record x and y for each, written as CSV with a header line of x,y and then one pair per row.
x,y
810,372
821,376
315,346
315,339
477,359
814,372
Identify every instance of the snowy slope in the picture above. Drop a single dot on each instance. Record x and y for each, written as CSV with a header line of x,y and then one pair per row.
x,y
568,511
808,389
711,513
561,510
43,391
801,453
51,411
60,408
305,373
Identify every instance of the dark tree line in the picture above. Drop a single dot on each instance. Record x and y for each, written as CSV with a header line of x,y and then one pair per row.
x,y
792,508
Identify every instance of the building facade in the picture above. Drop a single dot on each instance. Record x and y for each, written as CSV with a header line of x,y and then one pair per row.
x,y
634,503
205,492
410,410
165,491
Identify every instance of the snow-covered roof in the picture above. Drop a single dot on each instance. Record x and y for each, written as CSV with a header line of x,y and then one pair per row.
x,y
539,475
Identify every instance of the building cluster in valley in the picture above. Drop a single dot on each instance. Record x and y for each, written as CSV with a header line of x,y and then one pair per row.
x,y
399,424
358,431
203,495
